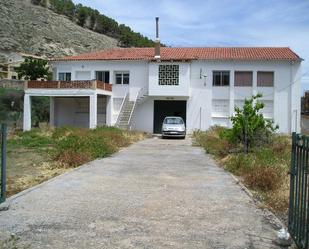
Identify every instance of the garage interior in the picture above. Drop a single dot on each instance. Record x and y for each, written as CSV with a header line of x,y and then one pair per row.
x,y
164,108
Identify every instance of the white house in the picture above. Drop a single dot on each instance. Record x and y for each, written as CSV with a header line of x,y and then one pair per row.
x,y
137,87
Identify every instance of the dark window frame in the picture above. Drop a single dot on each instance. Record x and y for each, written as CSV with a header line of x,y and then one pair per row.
x,y
221,74
67,76
124,77
103,76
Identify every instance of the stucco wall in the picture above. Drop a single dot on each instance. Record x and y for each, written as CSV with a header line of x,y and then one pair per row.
x,y
203,99
74,111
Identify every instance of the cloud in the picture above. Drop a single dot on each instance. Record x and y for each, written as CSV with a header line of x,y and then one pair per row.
x,y
216,23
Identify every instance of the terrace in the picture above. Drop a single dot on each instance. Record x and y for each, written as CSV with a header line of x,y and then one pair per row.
x,y
77,84
82,103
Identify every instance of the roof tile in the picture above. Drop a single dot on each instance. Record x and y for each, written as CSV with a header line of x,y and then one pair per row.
x,y
205,53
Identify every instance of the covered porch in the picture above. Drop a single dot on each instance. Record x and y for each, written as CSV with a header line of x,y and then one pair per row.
x,y
74,103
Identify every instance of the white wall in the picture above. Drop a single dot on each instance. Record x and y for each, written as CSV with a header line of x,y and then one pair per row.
x,y
85,70
74,111
143,116
196,83
182,89
280,96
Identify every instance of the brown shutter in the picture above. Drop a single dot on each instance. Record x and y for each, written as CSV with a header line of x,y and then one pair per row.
x,y
243,79
265,79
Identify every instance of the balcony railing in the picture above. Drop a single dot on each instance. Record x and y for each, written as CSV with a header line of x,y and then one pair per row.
x,y
76,84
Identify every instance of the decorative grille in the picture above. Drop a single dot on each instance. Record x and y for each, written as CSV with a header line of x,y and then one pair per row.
x,y
169,75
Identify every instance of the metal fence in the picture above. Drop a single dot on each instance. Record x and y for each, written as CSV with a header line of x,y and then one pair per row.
x,y
3,163
299,191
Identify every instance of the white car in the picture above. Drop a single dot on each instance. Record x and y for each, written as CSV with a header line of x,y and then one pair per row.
x,y
173,127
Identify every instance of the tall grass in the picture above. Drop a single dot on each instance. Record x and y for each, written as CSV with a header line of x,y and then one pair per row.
x,y
264,169
74,146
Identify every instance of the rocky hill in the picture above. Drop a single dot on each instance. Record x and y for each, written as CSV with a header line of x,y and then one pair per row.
x,y
33,29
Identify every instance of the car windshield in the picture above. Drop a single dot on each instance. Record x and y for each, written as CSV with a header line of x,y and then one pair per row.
x,y
173,121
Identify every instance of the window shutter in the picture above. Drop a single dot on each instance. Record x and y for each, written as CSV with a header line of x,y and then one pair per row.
x,y
265,79
243,79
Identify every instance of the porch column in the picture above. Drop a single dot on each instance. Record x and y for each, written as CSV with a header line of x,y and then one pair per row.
x,y
232,96
93,105
52,112
27,113
254,83
109,111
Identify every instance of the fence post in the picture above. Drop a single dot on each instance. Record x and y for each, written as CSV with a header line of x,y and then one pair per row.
x,y
3,162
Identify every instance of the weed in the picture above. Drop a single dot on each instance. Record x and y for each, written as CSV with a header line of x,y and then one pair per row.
x,y
263,169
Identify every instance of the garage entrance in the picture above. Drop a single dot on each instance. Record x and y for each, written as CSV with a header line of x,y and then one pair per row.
x,y
163,108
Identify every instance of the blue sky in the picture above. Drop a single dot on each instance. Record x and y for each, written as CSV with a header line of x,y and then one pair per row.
x,y
217,22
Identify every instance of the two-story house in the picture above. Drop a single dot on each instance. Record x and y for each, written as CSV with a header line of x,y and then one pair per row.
x,y
137,87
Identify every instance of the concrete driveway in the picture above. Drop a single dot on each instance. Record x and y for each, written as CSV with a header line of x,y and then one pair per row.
x,y
155,194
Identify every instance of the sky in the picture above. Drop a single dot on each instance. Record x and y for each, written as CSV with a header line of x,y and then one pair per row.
x,y
196,23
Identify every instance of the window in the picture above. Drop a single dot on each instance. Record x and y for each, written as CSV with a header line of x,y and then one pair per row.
x,y
175,120
169,75
220,107
221,78
243,78
122,78
64,76
102,76
265,79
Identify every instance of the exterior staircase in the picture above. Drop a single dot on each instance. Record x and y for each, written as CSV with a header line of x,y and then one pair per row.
x,y
127,109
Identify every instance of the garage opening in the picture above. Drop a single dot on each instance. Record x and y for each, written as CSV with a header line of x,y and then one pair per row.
x,y
164,108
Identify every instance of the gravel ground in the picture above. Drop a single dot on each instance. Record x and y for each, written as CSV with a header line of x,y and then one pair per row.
x,y
155,194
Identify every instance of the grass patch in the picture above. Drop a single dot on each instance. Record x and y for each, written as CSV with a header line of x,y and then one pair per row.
x,y
40,154
264,170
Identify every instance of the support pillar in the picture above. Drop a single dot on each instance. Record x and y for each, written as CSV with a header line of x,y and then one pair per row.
x,y
27,113
109,111
254,84
93,111
232,96
52,112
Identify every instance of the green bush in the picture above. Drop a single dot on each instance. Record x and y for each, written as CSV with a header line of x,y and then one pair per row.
x,y
33,139
250,128
212,141
74,146
262,168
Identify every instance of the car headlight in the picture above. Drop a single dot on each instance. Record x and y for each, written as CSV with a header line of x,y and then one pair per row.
x,y
182,128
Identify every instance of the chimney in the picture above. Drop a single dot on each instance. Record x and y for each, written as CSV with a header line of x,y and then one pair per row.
x,y
157,41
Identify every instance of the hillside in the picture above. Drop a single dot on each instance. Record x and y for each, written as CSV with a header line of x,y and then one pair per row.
x,y
37,30
92,19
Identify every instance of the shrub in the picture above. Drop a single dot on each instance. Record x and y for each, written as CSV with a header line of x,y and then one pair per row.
x,y
73,158
250,128
263,178
75,146
212,142
32,139
239,164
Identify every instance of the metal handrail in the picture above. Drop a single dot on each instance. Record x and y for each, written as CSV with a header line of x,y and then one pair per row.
x,y
136,98
121,107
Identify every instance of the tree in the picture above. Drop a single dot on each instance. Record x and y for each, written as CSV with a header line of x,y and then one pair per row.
x,y
82,14
40,110
33,69
249,125
11,105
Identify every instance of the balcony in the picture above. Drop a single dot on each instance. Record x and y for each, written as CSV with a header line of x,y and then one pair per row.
x,y
77,84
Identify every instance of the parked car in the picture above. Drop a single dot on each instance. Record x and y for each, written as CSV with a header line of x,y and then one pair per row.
x,y
173,127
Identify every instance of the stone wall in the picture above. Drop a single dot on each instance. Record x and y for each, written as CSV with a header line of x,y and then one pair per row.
x,y
14,84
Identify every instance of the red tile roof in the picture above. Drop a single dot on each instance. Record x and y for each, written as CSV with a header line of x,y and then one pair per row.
x,y
206,53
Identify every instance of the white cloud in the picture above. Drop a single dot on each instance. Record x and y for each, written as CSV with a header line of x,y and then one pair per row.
x,y
216,23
